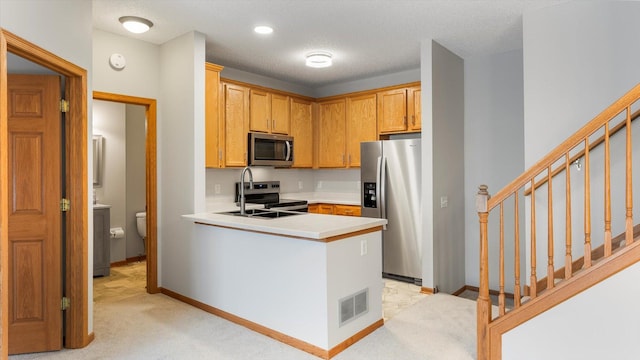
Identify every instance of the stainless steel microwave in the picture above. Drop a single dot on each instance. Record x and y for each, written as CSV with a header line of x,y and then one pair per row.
x,y
270,150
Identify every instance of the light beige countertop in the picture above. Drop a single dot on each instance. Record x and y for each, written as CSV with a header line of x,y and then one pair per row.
x,y
311,226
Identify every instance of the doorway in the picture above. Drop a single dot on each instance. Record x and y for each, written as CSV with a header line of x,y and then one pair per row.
x,y
150,178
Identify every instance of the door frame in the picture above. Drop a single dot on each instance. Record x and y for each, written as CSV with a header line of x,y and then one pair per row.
x,y
151,180
76,174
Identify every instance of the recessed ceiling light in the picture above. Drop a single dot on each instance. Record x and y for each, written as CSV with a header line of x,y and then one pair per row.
x,y
136,25
319,59
263,29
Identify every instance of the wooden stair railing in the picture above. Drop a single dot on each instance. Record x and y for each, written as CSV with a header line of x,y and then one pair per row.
x,y
558,283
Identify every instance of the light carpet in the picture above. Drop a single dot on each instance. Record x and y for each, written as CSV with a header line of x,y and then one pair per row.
x,y
147,326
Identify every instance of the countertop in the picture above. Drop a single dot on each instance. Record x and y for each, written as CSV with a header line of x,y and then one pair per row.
x,y
311,226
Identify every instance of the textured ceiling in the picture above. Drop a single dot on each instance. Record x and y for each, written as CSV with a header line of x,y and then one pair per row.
x,y
366,37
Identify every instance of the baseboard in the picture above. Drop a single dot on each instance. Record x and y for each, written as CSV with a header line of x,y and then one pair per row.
x,y
283,338
129,261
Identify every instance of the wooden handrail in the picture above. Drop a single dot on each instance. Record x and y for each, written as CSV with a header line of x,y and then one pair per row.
x,y
580,154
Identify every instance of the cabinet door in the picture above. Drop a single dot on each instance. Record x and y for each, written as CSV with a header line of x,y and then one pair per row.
x,y
347,210
236,124
280,119
101,242
414,108
332,134
314,208
302,132
326,209
361,125
260,111
212,121
392,110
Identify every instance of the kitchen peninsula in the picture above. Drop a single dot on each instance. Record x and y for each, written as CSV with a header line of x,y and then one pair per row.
x,y
309,280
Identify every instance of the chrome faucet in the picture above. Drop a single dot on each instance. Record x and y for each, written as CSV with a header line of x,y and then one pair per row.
x,y
243,211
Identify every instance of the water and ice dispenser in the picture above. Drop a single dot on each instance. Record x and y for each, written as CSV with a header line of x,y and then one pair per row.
x,y
370,200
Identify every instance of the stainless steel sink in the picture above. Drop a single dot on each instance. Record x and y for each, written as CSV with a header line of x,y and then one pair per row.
x,y
262,213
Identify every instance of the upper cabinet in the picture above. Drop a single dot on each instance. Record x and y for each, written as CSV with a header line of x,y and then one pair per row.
x,y
269,112
302,132
399,110
236,124
332,134
361,125
212,115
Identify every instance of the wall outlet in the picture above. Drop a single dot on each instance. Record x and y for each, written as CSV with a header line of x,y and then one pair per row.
x,y
217,188
444,202
319,186
299,185
363,247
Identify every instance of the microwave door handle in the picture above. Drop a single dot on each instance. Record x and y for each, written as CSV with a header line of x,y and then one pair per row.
x,y
288,156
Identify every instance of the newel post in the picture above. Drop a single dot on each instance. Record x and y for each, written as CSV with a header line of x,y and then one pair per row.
x,y
484,302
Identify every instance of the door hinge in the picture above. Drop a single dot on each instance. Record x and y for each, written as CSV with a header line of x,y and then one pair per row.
x,y
64,106
65,303
65,205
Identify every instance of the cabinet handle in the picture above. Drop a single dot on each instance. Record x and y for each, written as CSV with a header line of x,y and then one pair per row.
x,y
274,123
342,159
405,120
413,120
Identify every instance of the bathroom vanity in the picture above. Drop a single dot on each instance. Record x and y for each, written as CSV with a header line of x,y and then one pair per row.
x,y
101,240
312,281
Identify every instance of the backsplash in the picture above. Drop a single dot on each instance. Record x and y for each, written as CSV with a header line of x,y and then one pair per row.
x,y
220,182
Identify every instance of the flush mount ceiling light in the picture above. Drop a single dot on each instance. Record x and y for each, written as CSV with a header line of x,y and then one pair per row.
x,y
263,29
318,59
136,25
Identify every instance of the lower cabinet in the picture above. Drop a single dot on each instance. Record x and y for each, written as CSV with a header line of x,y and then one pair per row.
x,y
101,242
334,209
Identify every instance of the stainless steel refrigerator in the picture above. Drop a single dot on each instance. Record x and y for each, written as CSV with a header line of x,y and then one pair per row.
x,y
390,175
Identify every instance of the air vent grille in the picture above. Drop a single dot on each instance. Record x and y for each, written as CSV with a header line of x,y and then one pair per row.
x,y
353,306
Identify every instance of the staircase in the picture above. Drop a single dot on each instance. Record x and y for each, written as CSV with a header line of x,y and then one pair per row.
x,y
572,201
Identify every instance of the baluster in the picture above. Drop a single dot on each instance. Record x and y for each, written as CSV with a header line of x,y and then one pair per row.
x,y
516,291
501,294
629,183
607,192
567,257
587,207
533,286
550,270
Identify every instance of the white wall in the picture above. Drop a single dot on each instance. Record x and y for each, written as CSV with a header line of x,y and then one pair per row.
x,y
426,78
448,168
494,143
181,155
63,28
600,323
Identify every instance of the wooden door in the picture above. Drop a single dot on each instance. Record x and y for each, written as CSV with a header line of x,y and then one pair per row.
x,y
35,272
259,109
280,119
392,110
302,132
236,124
361,125
332,136
414,108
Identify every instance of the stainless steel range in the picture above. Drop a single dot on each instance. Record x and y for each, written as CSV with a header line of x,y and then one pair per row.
x,y
268,193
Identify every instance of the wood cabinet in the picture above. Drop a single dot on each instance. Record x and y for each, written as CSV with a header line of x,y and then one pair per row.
x,y
335,209
212,115
302,132
236,125
399,110
361,125
101,242
332,134
269,113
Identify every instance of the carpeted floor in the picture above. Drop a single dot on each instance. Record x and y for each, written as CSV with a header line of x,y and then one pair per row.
x,y
131,324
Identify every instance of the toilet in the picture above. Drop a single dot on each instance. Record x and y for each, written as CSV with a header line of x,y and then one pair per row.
x,y
141,221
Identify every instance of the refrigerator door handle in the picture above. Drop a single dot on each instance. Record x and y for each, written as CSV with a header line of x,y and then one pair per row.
x,y
382,173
